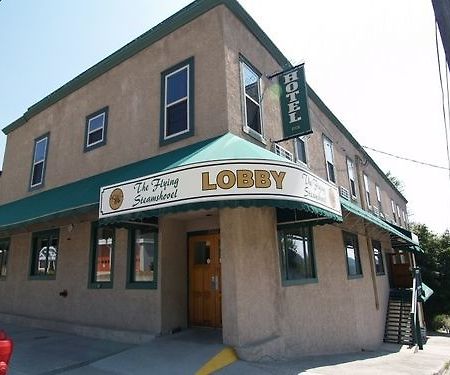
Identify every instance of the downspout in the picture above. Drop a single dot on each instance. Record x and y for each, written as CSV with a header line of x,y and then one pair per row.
x,y
362,195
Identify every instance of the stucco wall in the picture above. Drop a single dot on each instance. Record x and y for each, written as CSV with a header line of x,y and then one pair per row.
x,y
116,308
132,92
264,319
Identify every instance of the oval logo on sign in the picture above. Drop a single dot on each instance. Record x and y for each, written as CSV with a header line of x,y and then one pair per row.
x,y
116,199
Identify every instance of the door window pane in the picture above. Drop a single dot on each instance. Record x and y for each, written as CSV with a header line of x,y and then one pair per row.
x,y
202,252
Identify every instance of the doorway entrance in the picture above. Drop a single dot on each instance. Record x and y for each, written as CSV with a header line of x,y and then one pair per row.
x,y
205,283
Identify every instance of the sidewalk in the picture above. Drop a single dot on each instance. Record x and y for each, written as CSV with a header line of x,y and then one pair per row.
x,y
43,352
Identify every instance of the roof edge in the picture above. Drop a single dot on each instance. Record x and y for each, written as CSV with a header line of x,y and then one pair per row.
x,y
322,106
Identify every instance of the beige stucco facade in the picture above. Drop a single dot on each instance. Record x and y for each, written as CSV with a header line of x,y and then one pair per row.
x,y
261,317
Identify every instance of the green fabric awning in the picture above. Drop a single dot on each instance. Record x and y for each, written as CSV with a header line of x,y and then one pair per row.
x,y
83,195
427,292
399,239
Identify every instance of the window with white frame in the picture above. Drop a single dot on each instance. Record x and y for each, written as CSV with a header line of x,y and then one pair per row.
x,y
39,161
251,100
177,101
366,187
404,217
300,150
398,215
351,177
378,191
393,210
96,125
328,148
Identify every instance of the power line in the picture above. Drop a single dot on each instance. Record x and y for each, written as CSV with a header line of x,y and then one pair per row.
x,y
442,92
407,159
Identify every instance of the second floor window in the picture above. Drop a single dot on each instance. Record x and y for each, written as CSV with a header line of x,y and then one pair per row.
x,y
300,149
378,191
328,148
96,125
351,177
39,161
177,101
393,210
366,187
252,100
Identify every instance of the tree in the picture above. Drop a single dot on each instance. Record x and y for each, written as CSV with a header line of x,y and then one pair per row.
x,y
396,181
435,268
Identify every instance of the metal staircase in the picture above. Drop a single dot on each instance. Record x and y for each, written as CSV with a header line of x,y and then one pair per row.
x,y
399,329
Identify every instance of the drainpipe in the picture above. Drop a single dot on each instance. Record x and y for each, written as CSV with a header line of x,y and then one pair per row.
x,y
362,196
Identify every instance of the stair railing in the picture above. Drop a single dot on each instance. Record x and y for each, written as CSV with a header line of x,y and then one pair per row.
x,y
415,323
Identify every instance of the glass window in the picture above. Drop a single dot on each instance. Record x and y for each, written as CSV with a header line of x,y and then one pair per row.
x,y
351,177
399,216
177,101
378,257
297,253
252,99
300,149
328,148
352,254
367,188
378,191
393,210
96,125
39,161
4,252
102,256
44,254
142,270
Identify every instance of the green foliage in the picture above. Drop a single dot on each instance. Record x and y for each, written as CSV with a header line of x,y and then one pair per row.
x,y
435,269
396,181
441,322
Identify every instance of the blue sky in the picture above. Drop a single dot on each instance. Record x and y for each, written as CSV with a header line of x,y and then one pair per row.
x,y
373,63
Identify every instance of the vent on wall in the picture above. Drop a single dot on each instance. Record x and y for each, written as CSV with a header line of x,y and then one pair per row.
x,y
281,151
344,193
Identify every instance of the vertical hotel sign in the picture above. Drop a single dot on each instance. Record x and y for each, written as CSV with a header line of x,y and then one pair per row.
x,y
294,105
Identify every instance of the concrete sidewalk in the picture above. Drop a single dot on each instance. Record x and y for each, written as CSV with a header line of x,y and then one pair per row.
x,y
43,352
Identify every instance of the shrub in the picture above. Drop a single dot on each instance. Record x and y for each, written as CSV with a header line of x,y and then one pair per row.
x,y
441,322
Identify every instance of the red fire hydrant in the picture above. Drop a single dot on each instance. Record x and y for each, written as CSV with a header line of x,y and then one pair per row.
x,y
6,348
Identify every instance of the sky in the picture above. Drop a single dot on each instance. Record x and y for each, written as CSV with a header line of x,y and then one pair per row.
x,y
373,63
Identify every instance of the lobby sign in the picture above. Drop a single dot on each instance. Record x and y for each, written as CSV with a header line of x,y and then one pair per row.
x,y
294,103
219,180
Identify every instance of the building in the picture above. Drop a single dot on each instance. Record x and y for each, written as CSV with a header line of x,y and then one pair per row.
x,y
149,194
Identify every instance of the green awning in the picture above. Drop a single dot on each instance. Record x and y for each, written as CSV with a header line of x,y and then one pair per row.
x,y
399,239
426,292
83,195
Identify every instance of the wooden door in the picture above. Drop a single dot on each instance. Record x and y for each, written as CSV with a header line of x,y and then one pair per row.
x,y
205,297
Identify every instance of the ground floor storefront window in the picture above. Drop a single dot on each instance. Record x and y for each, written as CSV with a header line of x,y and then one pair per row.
x,y
142,258
44,254
297,254
102,256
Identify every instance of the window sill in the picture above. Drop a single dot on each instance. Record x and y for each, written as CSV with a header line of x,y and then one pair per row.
x,y
94,146
381,274
175,138
299,282
38,277
255,135
352,277
142,285
102,285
